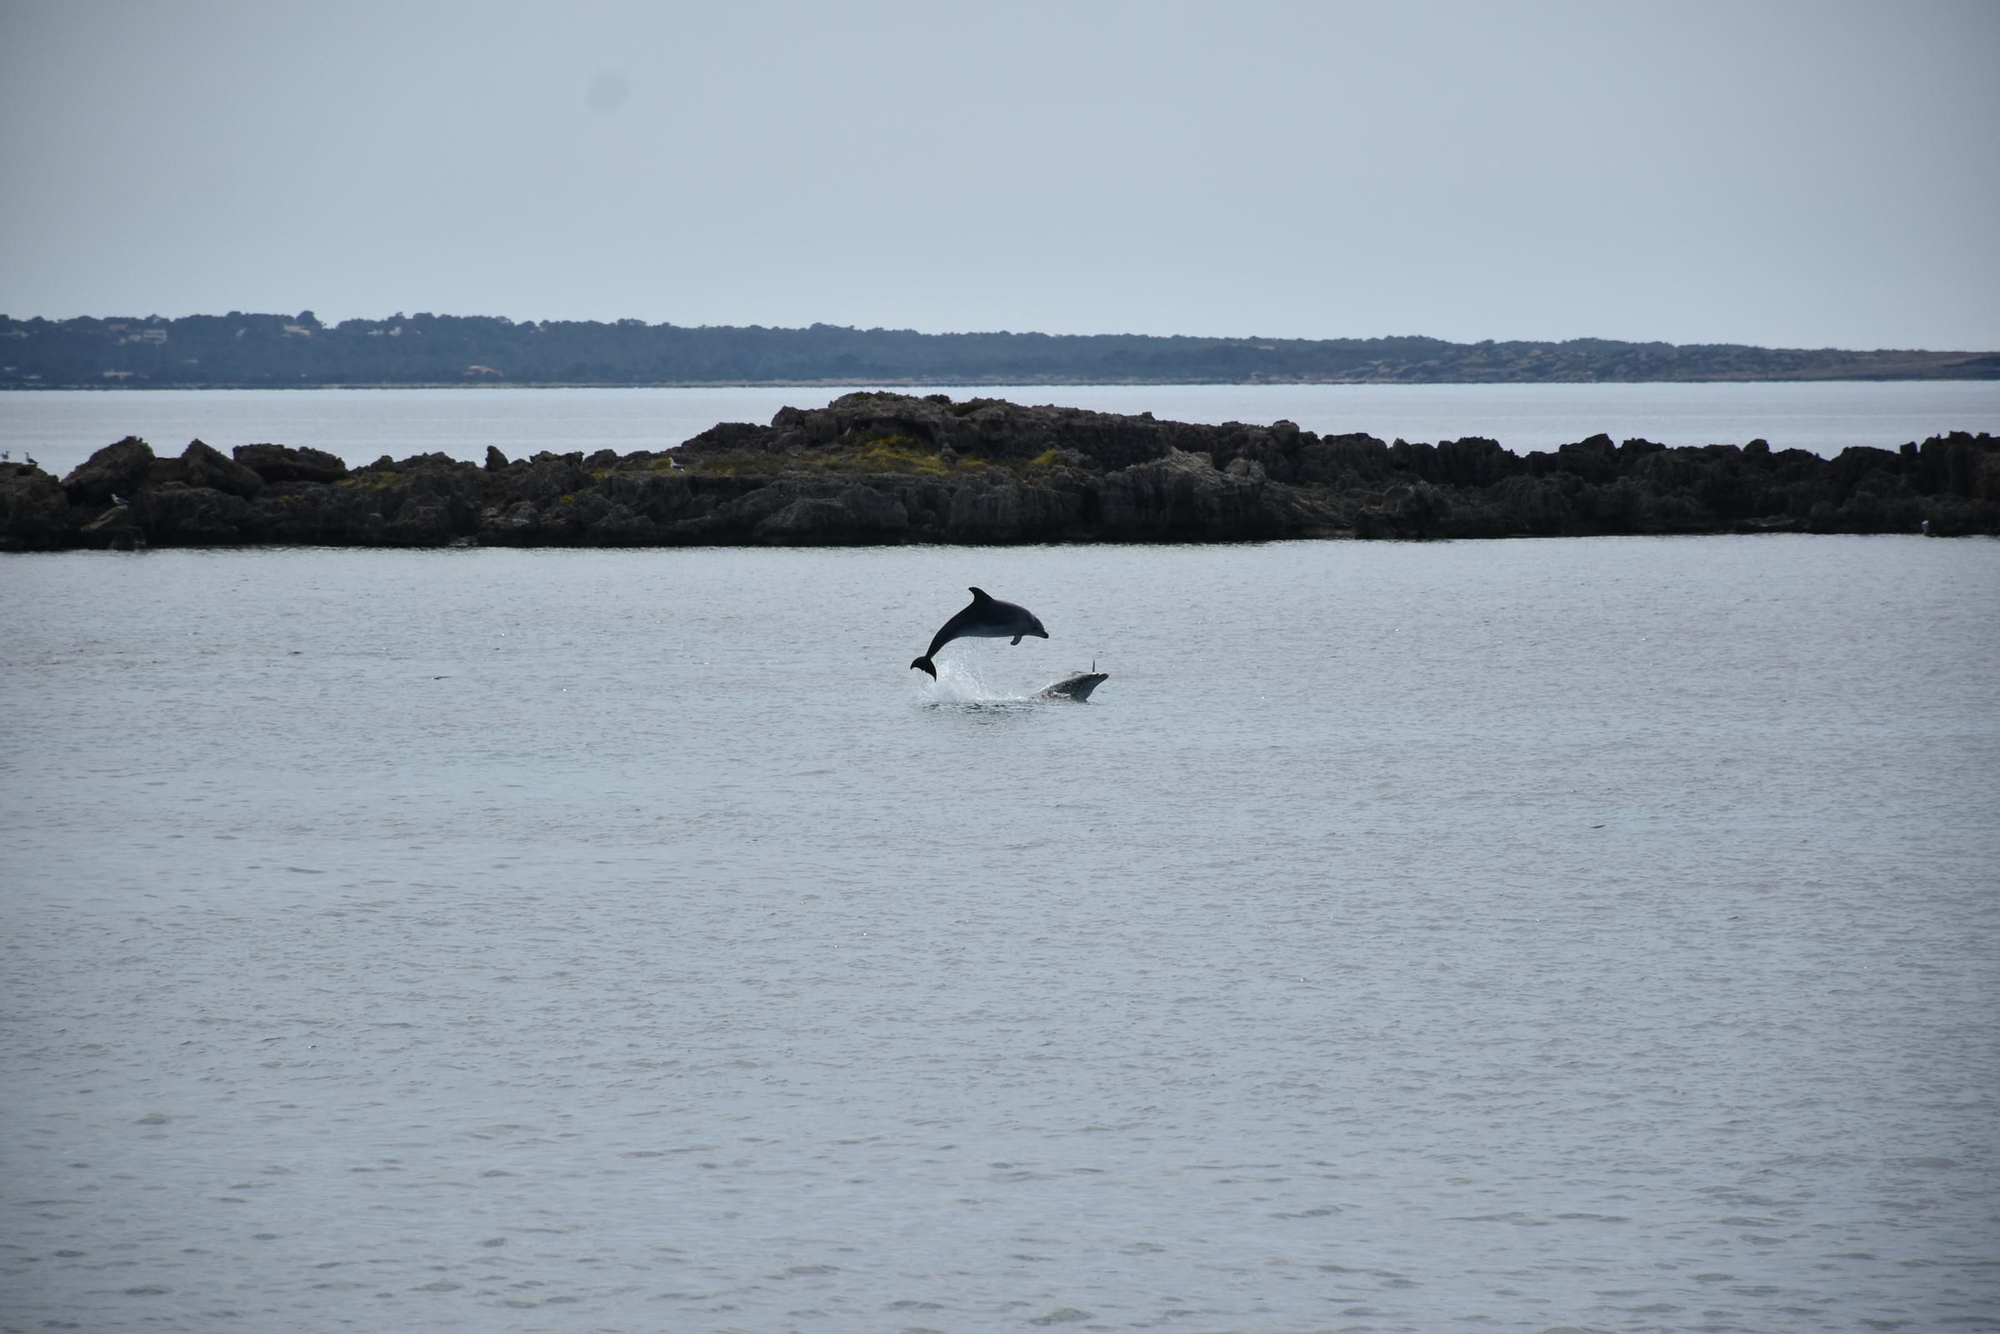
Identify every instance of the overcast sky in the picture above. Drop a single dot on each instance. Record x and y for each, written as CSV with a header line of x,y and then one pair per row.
x,y
1811,174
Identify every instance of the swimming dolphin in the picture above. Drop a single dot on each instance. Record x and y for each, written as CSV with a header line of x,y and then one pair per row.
x,y
987,618
1076,686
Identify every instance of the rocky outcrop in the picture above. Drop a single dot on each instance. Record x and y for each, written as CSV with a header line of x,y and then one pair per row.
x,y
114,530
856,513
1184,497
174,514
282,463
875,468
34,511
203,465
116,469
985,510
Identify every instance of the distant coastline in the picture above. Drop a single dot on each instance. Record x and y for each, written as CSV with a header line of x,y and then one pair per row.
x,y
263,351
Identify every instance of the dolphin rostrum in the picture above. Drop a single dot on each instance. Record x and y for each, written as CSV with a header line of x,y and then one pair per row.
x,y
987,618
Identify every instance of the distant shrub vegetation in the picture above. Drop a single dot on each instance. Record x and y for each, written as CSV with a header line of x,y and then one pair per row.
x,y
273,351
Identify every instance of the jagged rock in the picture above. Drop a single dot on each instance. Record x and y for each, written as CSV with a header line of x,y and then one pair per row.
x,y
881,467
164,471
113,530
545,479
801,510
174,514
1412,512
1183,497
34,509
986,429
928,502
1309,511
115,470
1960,464
1474,461
619,526
205,466
661,497
283,463
430,500
727,438
1345,462
1517,507
517,521
346,513
1008,512
1951,516
1594,460
856,514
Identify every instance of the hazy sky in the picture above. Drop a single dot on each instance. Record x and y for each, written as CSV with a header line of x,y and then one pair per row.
x,y
1811,174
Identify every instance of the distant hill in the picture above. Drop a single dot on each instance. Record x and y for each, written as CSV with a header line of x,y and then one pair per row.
x,y
276,351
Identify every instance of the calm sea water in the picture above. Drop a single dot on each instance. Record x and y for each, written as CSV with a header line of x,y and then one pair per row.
x,y
1588,934
62,428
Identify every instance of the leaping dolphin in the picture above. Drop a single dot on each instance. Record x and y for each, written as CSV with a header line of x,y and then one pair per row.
x,y
987,618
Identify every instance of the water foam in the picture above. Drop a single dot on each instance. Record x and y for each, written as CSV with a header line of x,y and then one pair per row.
x,y
959,681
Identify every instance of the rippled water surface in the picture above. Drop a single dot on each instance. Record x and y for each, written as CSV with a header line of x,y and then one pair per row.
x,y
1594,934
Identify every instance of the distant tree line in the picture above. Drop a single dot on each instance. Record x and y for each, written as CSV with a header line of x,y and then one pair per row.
x,y
273,351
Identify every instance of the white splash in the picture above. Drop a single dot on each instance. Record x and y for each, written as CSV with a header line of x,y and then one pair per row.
x,y
960,682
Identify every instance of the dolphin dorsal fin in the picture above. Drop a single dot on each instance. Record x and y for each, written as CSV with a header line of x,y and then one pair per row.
x,y
980,595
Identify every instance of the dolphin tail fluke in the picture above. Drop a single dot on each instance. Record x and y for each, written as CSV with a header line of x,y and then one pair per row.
x,y
925,664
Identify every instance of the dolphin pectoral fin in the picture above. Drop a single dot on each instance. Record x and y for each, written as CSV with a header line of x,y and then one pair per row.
x,y
1015,640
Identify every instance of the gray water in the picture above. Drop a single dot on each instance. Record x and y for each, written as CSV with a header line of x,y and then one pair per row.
x,y
62,428
1588,934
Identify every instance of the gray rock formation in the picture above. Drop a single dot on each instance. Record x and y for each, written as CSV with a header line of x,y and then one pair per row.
x,y
204,466
116,469
34,511
874,468
282,463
